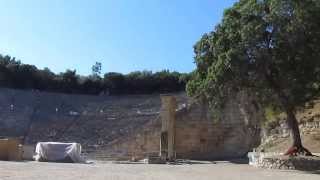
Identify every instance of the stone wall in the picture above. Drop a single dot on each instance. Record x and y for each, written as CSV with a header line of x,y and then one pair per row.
x,y
198,135
279,161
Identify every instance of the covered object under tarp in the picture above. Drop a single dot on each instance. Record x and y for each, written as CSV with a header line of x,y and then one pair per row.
x,y
58,152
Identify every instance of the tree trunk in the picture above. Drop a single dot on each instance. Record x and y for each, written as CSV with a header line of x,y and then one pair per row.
x,y
297,147
294,128
292,122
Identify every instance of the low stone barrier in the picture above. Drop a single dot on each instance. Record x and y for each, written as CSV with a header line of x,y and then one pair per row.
x,y
255,158
278,161
293,163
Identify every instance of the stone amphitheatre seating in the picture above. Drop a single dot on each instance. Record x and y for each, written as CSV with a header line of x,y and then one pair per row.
x,y
126,126
89,120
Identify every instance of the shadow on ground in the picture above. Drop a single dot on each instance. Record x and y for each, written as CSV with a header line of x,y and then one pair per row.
x,y
239,161
190,162
309,171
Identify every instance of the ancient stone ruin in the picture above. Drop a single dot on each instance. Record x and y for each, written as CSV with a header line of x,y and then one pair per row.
x,y
191,132
133,127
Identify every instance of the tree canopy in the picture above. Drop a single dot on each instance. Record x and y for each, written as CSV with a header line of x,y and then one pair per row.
x,y
268,47
14,74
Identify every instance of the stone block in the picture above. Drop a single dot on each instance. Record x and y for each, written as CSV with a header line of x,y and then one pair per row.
x,y
10,150
28,151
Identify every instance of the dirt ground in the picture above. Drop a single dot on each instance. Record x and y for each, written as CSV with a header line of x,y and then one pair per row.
x,y
108,171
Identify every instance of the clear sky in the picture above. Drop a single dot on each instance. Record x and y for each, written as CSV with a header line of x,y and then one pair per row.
x,y
124,35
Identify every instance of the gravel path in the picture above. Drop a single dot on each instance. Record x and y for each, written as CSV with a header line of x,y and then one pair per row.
x,y
98,171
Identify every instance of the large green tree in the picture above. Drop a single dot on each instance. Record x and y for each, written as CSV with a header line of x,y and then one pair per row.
x,y
270,47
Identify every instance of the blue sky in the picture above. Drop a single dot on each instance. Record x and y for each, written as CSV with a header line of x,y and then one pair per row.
x,y
125,35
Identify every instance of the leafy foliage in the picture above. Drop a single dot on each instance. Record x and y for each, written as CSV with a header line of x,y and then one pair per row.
x,y
96,68
269,47
14,74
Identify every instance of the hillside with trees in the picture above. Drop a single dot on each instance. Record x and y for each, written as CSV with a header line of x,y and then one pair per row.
x,y
269,48
14,74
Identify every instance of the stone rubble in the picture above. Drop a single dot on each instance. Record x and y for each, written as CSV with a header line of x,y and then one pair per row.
x,y
269,161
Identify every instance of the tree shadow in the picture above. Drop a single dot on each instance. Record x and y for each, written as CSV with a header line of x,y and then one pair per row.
x,y
239,161
316,172
128,162
189,162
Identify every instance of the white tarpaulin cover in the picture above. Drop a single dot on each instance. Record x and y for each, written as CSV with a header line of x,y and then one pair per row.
x,y
56,151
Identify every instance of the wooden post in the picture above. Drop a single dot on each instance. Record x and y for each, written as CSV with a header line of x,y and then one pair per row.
x,y
168,117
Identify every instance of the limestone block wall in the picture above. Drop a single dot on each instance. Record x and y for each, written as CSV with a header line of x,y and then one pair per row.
x,y
198,135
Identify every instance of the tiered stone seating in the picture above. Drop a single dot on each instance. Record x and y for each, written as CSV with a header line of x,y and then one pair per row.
x,y
93,121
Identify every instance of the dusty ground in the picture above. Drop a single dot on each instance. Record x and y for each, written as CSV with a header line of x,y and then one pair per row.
x,y
97,171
